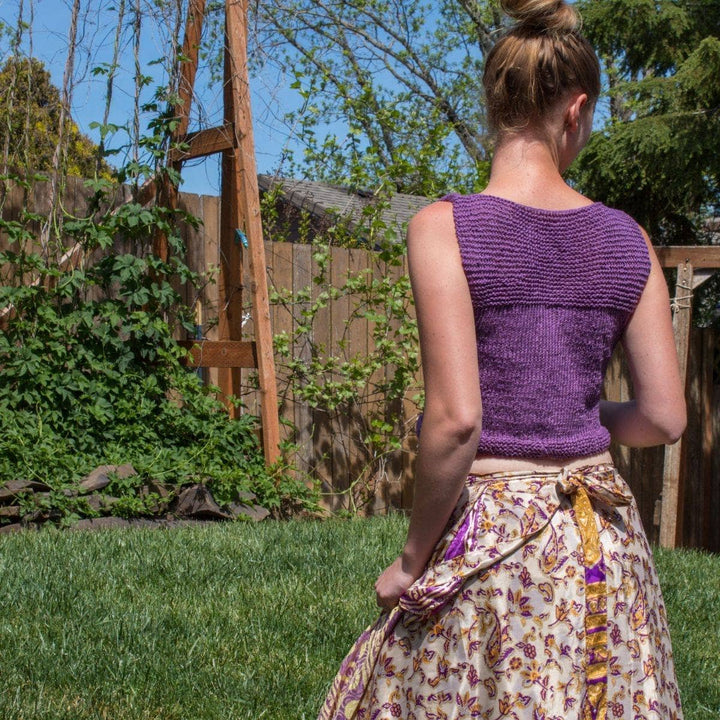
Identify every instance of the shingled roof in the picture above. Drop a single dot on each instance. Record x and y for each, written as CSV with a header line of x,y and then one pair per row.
x,y
321,199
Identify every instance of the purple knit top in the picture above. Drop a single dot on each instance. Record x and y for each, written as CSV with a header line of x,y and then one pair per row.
x,y
552,292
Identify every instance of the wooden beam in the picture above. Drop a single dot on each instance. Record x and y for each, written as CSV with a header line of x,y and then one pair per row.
x,y
147,191
672,505
190,51
230,277
204,142
699,256
249,203
167,191
701,276
221,354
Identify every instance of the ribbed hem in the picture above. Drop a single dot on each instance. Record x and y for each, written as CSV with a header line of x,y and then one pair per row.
x,y
565,447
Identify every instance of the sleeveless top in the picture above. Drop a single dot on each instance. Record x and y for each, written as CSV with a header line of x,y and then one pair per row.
x,y
552,292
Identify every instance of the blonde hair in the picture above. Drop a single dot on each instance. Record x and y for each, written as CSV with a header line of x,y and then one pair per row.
x,y
543,57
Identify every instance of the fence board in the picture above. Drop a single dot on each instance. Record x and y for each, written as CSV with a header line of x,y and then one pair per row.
x,y
211,259
280,277
193,241
248,377
322,466
357,346
711,425
713,510
411,441
302,278
391,487
339,315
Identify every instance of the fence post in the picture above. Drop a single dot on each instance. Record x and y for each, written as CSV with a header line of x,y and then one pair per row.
x,y
671,512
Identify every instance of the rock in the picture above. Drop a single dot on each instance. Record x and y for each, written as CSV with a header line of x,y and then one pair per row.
x,y
7,529
35,518
158,488
125,470
197,501
13,487
254,512
100,478
100,502
161,494
10,512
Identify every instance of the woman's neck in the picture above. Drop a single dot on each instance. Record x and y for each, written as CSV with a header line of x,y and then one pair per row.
x,y
526,169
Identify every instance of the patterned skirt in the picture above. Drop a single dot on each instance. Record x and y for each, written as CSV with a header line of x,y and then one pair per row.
x,y
540,602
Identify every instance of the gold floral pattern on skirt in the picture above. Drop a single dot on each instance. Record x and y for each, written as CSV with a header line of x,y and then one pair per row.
x,y
540,602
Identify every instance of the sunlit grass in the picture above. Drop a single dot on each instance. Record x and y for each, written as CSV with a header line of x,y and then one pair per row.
x,y
236,621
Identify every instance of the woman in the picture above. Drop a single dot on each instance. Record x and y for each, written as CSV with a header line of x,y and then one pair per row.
x,y
526,587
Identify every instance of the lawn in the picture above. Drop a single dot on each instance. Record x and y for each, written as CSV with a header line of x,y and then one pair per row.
x,y
228,622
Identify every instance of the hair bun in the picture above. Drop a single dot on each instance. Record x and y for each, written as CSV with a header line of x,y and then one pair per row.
x,y
555,15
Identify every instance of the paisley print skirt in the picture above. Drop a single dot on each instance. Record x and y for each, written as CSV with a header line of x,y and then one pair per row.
x,y
540,602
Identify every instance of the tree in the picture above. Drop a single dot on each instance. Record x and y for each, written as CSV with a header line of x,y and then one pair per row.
x,y
657,155
30,120
391,91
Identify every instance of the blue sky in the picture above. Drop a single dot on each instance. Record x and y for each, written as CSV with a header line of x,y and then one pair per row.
x,y
271,95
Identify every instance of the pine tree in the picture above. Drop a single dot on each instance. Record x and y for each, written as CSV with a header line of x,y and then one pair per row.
x,y
657,156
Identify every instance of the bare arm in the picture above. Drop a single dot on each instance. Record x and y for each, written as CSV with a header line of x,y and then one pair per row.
x,y
657,415
453,408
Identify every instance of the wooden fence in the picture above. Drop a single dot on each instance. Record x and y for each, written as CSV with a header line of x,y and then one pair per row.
x,y
330,446
700,468
329,451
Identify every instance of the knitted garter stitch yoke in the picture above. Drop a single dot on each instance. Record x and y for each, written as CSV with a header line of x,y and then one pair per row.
x,y
552,292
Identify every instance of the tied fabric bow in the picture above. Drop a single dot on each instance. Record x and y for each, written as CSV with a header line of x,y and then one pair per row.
x,y
574,484
499,514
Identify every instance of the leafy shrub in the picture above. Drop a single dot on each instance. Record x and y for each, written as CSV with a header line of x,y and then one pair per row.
x,y
90,373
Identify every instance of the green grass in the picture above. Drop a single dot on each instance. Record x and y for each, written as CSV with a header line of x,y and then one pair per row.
x,y
691,590
236,621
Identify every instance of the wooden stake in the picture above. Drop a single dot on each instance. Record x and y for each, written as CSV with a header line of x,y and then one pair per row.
x,y
230,307
672,505
167,191
247,206
190,50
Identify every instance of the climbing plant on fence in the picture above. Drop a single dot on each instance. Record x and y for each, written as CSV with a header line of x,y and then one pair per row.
x,y
91,374
356,368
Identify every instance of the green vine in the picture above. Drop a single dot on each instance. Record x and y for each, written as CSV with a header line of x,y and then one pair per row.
x,y
91,372
363,392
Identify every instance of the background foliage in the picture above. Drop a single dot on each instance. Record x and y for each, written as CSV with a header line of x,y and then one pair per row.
x,y
392,90
367,398
92,374
387,96
656,156
30,116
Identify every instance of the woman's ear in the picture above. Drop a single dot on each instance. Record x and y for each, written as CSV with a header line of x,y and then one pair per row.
x,y
573,111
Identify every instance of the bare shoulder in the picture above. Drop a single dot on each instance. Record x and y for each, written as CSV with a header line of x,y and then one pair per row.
x,y
648,242
436,214
434,221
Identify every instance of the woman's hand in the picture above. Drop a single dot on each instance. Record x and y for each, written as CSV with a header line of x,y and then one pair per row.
x,y
392,583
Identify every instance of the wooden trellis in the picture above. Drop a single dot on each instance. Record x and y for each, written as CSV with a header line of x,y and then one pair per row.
x,y
240,222
694,265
